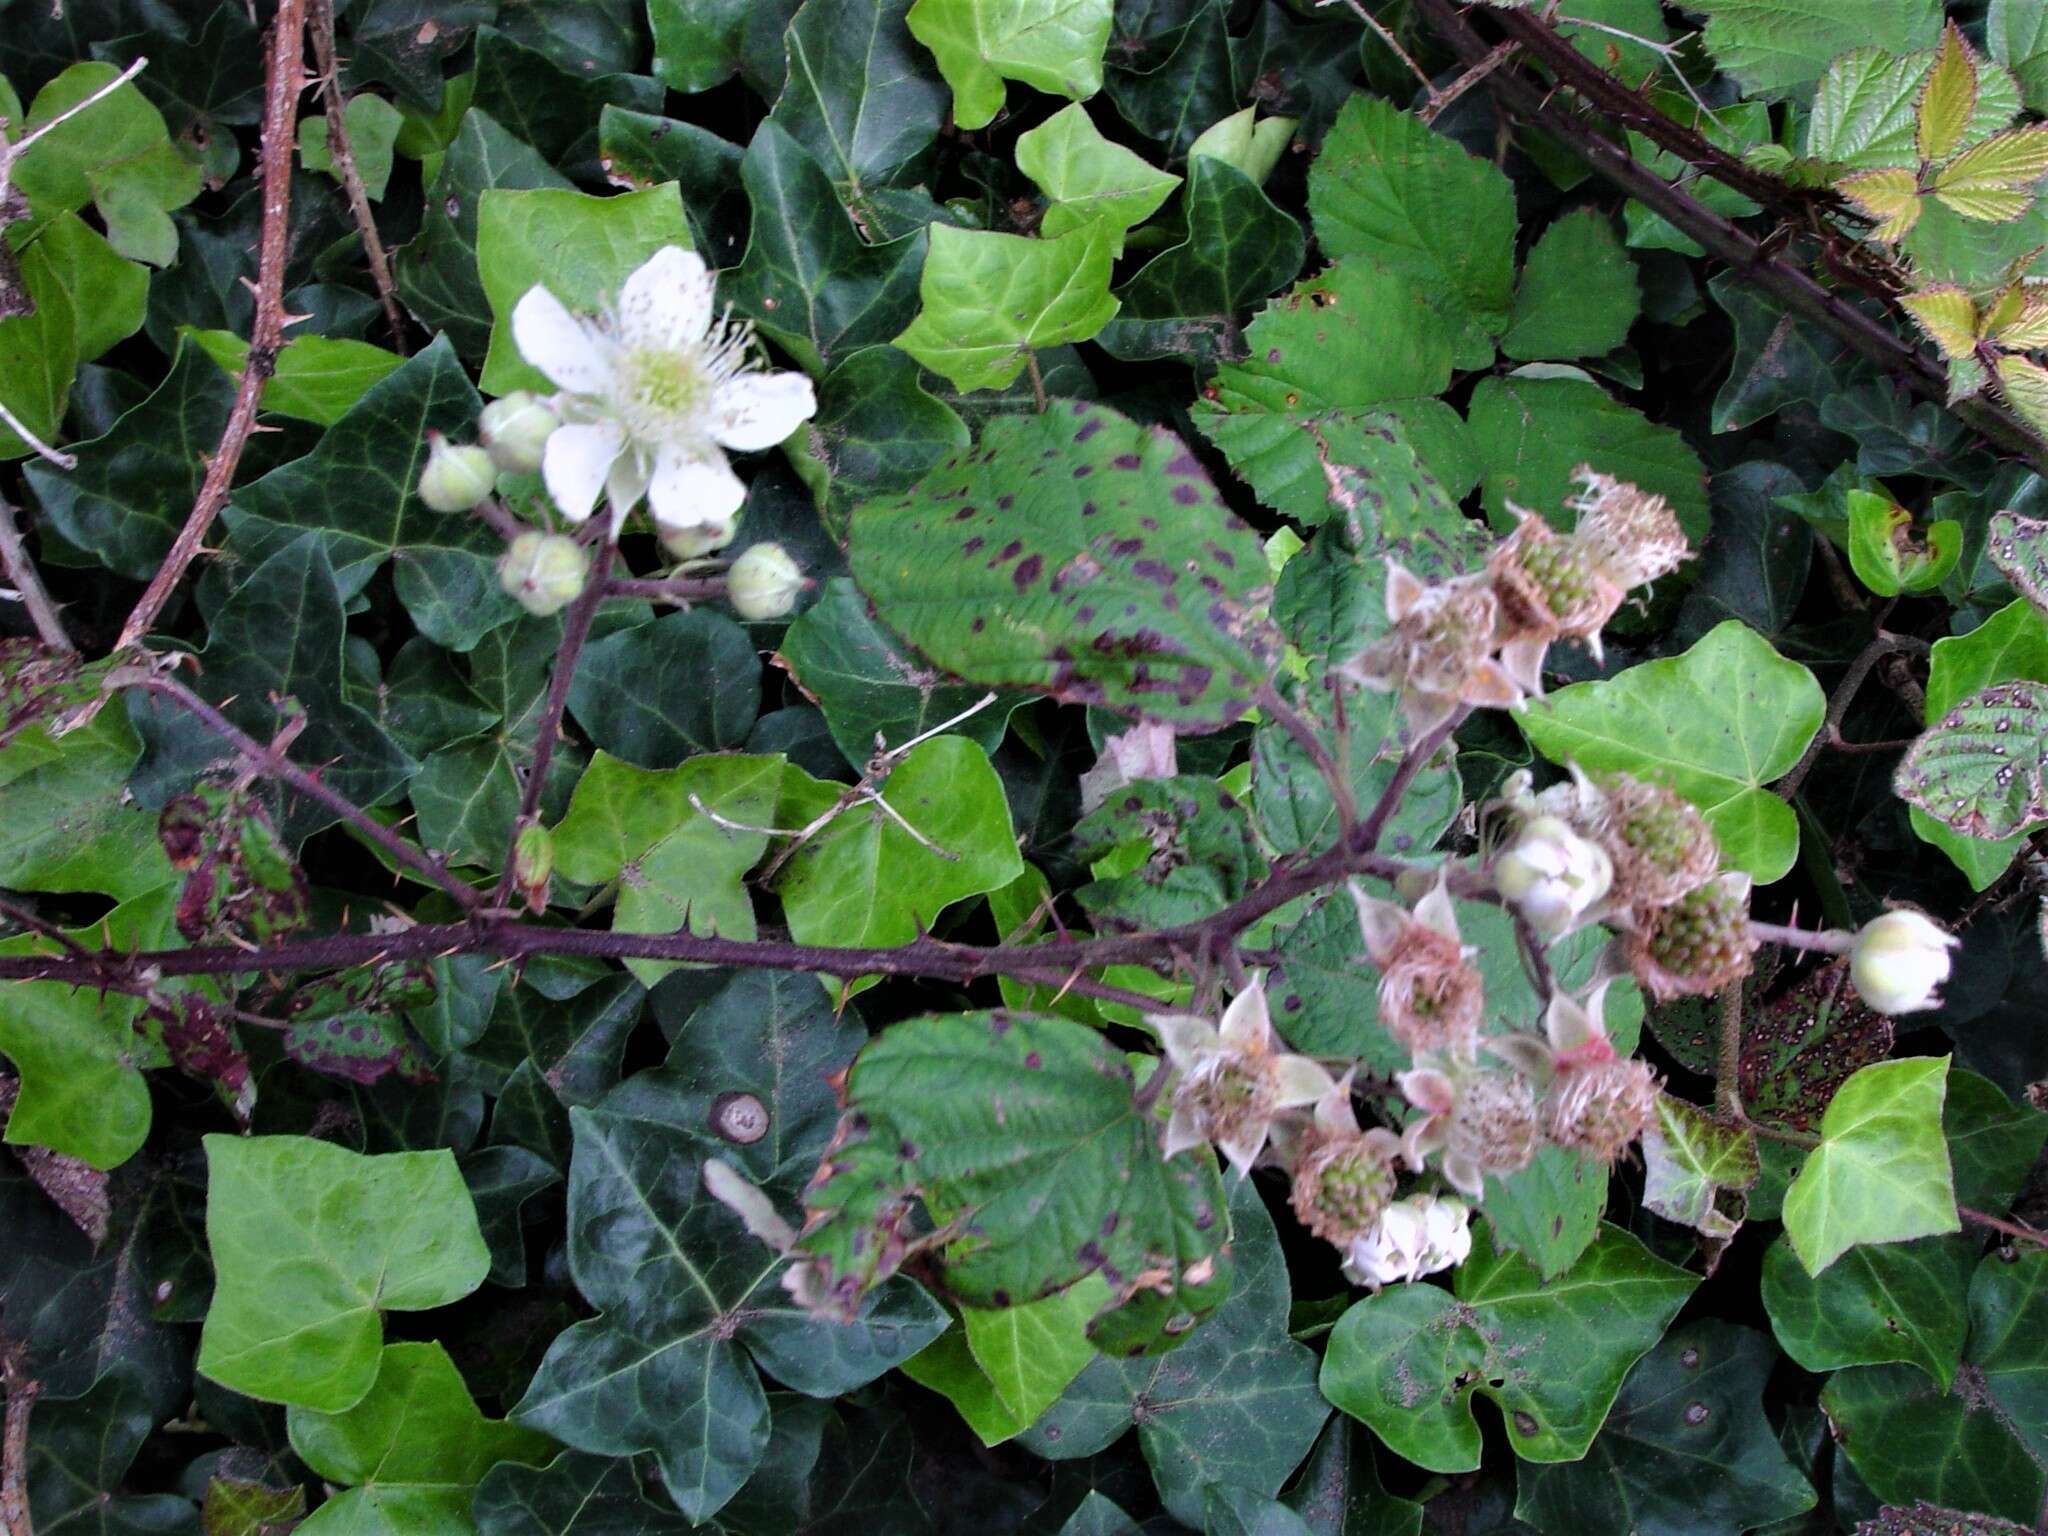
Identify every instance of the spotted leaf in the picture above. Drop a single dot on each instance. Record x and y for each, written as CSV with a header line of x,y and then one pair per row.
x,y
1080,554
1983,770
2019,548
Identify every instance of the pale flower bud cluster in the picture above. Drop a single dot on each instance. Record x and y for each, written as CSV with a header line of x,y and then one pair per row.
x,y
1900,962
1414,1237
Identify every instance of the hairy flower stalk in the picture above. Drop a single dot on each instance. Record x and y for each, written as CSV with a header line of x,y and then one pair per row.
x,y
652,392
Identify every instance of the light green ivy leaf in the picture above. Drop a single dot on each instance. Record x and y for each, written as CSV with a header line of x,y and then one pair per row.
x,y
1051,45
990,300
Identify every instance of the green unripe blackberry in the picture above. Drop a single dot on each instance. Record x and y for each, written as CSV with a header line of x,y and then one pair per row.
x,y
1341,1186
1700,943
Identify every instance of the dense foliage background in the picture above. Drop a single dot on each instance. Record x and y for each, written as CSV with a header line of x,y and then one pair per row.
x,y
1387,271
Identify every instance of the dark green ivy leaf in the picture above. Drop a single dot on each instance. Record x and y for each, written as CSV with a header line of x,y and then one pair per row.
x,y
655,694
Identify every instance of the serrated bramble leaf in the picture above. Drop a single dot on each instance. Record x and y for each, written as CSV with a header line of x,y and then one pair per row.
x,y
1947,314
1987,205
1891,197
1949,97
990,300
2018,547
1774,46
1051,45
2020,319
1100,566
2024,385
1881,1172
930,1096
1983,770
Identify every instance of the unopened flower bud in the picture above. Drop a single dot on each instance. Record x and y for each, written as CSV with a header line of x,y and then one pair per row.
x,y
764,582
691,540
533,865
457,477
543,572
515,429
1900,961
1552,875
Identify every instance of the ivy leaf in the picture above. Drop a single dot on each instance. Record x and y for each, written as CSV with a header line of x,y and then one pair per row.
x,y
809,281
1171,78
864,880
1992,1143
410,1452
1389,188
358,487
576,1043
38,352
1578,296
988,301
116,155
686,1295
1686,1447
1904,1302
577,246
1339,1493
928,1093
1408,1360
1881,1173
75,1052
2009,1340
1982,770
1071,587
660,692
676,867
1532,434
1772,47
576,1494
135,484
552,106
437,271
1689,1162
702,43
1185,301
1051,45
860,95
1716,724
773,1035
372,125
80,1450
1002,1369
870,688
317,378
1909,1440
876,431
279,635
642,150
1354,338
1236,1405
1087,178
310,1243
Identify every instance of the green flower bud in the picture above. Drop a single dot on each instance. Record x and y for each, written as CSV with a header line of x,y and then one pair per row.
x,y
515,429
456,477
533,865
693,540
543,572
764,582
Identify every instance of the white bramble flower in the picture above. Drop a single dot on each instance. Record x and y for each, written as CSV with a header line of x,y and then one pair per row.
x,y
1552,875
652,393
1430,997
1233,1084
1900,961
1413,1237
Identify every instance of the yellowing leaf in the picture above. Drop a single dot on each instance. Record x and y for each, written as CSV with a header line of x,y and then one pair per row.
x,y
1947,314
1890,196
2004,161
1997,205
1948,98
2025,387
2021,320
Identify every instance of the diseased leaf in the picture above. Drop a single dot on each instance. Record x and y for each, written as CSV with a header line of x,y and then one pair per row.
x,y
1408,1360
1983,768
1100,567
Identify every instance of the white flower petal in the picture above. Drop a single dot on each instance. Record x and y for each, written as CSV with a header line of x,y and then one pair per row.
x,y
667,301
753,411
1243,1149
1300,1081
1184,1129
1247,1025
575,463
561,346
687,490
1464,1175
1185,1038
